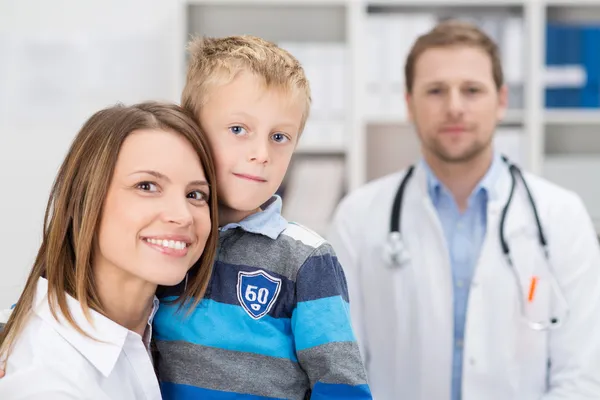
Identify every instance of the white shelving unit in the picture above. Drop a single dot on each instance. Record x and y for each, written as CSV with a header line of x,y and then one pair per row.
x,y
571,151
376,144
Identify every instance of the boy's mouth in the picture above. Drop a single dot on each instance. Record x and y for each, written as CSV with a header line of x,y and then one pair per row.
x,y
251,177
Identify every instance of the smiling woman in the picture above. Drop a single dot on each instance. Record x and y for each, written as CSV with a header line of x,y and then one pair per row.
x,y
133,208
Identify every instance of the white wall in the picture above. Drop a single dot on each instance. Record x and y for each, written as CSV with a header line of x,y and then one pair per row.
x,y
60,61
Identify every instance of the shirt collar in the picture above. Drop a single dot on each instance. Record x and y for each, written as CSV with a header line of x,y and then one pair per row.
x,y
268,222
107,337
147,337
486,184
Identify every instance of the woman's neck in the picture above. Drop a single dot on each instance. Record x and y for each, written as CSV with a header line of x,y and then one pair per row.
x,y
126,299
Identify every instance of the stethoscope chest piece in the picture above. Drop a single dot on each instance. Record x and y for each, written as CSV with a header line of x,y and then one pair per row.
x,y
395,253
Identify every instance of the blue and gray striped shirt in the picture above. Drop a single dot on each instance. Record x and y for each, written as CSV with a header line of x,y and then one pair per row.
x,y
274,323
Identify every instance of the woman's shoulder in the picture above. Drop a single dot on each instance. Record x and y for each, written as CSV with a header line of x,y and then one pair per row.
x,y
42,362
40,381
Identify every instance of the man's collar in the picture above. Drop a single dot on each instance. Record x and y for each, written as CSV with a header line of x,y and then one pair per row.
x,y
268,222
487,183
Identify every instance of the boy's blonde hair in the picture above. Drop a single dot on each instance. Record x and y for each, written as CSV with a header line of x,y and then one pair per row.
x,y
217,61
452,33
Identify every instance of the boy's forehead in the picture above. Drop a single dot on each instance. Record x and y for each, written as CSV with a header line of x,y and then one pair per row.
x,y
246,95
248,86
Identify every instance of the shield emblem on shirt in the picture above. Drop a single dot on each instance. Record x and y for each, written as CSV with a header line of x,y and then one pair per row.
x,y
257,292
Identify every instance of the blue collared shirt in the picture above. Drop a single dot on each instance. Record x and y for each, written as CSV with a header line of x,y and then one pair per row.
x,y
464,233
268,221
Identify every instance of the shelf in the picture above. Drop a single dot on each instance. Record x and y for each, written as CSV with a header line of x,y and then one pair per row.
x,y
319,149
404,3
572,116
278,3
572,3
277,21
445,3
513,117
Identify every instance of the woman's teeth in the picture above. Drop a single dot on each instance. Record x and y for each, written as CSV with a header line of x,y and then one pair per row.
x,y
171,244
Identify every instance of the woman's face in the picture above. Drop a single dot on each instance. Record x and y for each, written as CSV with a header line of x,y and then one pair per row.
x,y
156,218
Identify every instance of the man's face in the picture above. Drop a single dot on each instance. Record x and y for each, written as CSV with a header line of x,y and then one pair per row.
x,y
454,103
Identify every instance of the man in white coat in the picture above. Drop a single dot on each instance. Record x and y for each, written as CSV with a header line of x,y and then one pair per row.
x,y
457,319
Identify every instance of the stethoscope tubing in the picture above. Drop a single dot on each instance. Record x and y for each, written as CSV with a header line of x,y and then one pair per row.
x,y
395,236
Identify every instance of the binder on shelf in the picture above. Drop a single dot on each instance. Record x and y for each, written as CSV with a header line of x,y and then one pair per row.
x,y
513,56
552,59
572,55
389,40
325,65
590,37
572,75
377,59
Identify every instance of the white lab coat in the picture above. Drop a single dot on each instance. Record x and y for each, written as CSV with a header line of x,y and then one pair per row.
x,y
403,317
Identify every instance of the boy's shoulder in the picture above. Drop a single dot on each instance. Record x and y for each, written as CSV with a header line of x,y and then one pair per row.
x,y
284,255
297,239
303,235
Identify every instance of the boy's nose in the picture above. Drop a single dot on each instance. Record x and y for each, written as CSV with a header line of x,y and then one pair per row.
x,y
259,152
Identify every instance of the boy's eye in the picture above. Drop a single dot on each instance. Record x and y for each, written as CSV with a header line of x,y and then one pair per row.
x,y
197,195
280,138
147,186
237,130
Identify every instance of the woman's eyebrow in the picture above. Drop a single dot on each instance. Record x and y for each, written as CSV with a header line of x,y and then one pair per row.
x,y
162,176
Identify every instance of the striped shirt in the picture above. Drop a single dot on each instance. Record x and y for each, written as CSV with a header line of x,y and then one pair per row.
x,y
274,323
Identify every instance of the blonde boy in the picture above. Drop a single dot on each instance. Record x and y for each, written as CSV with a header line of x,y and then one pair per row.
x,y
274,322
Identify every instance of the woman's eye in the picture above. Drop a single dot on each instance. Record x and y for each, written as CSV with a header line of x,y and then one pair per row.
x,y
198,195
147,186
280,138
237,130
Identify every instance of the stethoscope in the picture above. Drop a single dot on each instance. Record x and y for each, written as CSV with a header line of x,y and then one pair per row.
x,y
396,255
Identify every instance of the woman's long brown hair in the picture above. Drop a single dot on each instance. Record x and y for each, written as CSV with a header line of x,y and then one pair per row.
x,y
75,206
